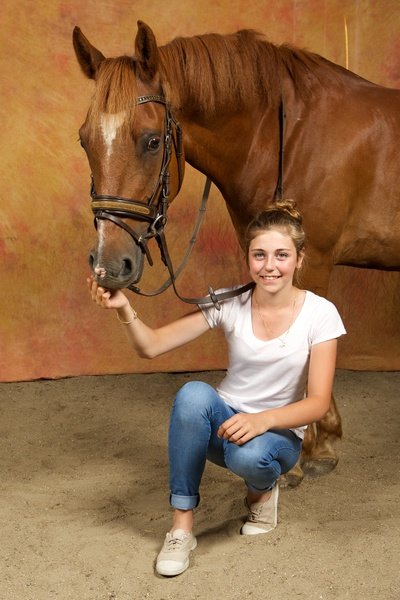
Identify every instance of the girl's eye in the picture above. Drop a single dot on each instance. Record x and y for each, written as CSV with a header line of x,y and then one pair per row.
x,y
282,255
153,144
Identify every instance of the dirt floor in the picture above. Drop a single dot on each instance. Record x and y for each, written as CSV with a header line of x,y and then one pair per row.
x,y
84,500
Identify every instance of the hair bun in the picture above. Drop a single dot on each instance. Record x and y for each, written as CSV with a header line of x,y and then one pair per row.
x,y
287,206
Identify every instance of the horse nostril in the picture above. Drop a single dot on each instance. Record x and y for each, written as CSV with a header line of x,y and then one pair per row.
x,y
91,259
126,268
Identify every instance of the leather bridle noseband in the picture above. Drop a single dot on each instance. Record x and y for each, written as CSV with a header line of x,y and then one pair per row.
x,y
154,209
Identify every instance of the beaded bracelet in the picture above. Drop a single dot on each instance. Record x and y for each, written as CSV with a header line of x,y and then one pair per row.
x,y
134,316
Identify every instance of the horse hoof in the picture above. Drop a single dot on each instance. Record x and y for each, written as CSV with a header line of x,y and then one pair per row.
x,y
319,466
291,479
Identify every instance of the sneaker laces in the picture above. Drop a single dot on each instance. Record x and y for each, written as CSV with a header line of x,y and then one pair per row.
x,y
175,543
254,511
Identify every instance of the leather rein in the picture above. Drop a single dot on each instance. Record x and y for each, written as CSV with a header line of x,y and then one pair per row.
x,y
154,209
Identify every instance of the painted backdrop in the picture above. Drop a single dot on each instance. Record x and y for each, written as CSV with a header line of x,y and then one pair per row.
x,y
48,326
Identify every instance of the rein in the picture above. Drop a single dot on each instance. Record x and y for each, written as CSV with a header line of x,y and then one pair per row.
x,y
154,209
282,125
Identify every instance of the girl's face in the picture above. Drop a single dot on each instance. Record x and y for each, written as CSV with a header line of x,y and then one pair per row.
x,y
273,260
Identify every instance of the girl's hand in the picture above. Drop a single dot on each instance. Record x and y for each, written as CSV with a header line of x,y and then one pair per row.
x,y
106,298
242,427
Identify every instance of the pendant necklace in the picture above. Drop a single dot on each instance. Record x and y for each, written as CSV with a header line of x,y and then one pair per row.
x,y
282,338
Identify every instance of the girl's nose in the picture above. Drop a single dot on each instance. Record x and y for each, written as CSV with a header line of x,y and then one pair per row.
x,y
269,263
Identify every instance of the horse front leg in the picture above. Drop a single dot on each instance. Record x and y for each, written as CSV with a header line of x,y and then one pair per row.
x,y
318,456
322,457
296,475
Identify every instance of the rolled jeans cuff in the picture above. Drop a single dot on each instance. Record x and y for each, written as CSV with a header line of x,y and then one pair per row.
x,y
184,502
251,488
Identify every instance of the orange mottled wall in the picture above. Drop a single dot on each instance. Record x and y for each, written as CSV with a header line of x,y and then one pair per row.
x,y
48,326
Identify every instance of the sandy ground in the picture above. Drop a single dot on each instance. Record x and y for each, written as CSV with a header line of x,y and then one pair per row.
x,y
84,500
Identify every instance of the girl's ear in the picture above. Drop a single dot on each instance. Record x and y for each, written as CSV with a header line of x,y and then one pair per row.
x,y
300,258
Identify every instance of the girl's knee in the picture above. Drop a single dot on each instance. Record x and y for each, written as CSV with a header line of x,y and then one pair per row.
x,y
193,389
193,398
240,461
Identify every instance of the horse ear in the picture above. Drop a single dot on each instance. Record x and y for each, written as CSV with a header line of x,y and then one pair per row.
x,y
88,56
146,52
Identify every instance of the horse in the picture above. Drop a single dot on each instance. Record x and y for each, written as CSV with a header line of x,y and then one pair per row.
x,y
261,121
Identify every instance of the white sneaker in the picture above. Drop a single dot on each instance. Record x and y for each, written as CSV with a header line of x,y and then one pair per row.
x,y
263,516
173,558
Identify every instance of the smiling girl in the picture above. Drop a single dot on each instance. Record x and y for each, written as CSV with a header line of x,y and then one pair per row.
x,y
282,354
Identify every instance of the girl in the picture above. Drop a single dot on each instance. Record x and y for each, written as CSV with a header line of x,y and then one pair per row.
x,y
282,352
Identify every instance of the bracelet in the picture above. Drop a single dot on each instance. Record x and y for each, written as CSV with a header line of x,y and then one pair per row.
x,y
134,316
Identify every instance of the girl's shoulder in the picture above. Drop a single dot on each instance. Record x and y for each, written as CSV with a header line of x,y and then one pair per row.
x,y
229,309
314,301
324,320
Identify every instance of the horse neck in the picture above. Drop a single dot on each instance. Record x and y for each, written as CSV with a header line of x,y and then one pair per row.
x,y
222,146
219,99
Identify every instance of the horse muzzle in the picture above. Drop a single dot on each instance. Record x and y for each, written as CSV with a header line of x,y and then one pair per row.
x,y
118,272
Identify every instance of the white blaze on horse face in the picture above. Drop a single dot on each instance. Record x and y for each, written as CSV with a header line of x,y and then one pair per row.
x,y
109,125
99,270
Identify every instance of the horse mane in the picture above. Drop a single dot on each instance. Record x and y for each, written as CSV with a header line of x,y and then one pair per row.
x,y
237,70
209,71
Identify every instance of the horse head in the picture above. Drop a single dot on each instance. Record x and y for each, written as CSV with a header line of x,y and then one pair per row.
x,y
134,148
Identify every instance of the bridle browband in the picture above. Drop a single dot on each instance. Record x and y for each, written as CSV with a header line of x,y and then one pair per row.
x,y
154,209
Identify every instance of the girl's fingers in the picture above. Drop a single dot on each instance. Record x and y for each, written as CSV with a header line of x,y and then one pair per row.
x,y
90,284
95,290
99,292
106,298
102,296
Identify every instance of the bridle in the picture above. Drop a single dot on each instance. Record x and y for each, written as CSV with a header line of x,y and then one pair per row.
x,y
154,209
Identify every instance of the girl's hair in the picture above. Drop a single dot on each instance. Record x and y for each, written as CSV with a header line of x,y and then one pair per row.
x,y
282,215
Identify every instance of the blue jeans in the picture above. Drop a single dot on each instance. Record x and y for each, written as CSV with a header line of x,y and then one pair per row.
x,y
196,415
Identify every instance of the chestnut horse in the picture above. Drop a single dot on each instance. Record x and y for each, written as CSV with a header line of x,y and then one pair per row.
x,y
256,119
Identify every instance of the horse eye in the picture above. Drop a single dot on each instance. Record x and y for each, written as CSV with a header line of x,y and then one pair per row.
x,y
153,144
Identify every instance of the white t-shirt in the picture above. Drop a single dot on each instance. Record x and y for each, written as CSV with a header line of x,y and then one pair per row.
x,y
264,374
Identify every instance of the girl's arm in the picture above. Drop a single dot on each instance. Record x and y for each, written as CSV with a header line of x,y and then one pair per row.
x,y
243,427
319,391
148,342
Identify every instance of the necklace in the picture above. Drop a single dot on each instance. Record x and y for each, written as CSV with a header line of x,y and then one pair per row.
x,y
283,337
